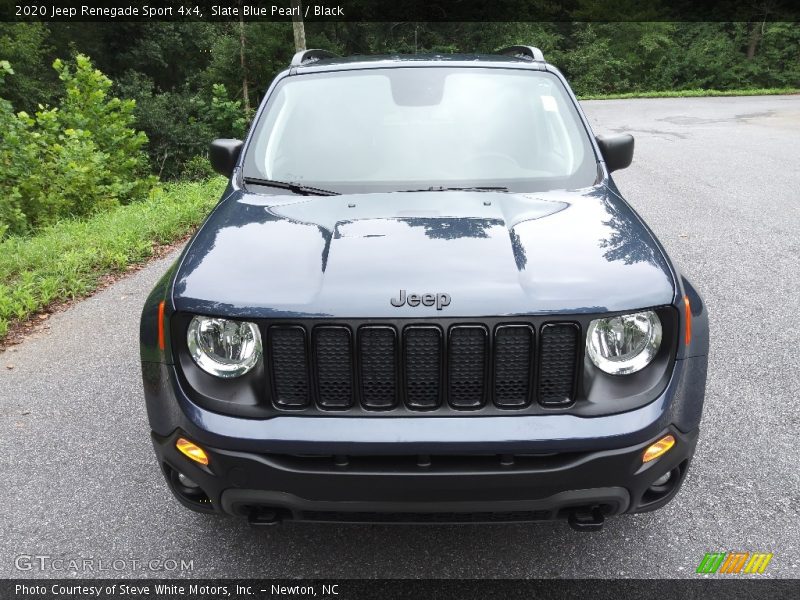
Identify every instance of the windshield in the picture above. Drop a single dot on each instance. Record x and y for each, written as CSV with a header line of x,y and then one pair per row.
x,y
422,127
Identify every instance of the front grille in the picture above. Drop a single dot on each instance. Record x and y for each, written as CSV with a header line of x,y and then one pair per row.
x,y
394,367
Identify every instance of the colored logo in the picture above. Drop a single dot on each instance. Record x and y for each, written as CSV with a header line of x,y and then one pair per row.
x,y
734,562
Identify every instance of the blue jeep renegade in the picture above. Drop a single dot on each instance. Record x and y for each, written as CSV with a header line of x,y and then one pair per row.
x,y
422,298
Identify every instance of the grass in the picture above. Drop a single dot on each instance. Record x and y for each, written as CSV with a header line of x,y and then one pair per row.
x,y
68,260
692,93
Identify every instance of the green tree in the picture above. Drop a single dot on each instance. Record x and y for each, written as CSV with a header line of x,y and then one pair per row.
x,y
181,124
590,65
15,152
70,160
269,48
26,46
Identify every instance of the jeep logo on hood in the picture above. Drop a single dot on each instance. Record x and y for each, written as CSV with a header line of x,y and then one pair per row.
x,y
439,300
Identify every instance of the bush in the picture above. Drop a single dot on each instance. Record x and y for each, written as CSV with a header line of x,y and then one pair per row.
x,y
197,168
71,160
181,124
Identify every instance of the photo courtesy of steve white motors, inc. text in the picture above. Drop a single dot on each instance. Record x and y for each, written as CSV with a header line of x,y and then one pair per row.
x,y
171,589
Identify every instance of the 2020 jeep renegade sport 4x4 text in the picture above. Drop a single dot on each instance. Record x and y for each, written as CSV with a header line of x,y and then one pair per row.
x,y
423,298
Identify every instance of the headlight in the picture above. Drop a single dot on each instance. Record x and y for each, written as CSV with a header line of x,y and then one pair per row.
x,y
624,344
223,347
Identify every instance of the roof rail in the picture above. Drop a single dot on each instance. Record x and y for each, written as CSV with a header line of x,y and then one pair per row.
x,y
526,52
305,57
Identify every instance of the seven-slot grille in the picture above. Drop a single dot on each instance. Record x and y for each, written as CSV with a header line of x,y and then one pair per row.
x,y
423,367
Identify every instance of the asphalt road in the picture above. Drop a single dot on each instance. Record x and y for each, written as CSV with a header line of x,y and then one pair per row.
x,y
718,180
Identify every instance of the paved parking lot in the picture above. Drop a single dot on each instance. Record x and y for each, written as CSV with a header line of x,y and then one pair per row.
x,y
718,179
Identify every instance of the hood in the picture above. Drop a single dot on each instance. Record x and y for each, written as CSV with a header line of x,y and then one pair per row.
x,y
491,253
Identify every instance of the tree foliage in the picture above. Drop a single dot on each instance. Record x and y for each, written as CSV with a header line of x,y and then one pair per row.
x,y
72,159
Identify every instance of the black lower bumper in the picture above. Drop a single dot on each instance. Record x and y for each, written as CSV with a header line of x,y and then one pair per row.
x,y
455,488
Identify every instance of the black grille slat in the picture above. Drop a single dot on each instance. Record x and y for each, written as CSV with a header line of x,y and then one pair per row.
x,y
558,363
422,356
289,366
513,365
378,361
333,361
466,366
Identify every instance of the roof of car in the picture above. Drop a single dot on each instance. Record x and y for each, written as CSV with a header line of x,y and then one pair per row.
x,y
417,60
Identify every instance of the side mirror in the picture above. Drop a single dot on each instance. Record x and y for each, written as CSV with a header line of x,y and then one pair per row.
x,y
617,150
223,155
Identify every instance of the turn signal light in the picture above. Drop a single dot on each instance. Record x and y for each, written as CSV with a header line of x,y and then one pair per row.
x,y
193,451
660,448
161,325
688,312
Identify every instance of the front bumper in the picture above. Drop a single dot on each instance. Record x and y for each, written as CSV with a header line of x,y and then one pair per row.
x,y
563,464
422,488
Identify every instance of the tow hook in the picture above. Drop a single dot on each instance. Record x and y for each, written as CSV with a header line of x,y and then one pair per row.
x,y
587,519
263,517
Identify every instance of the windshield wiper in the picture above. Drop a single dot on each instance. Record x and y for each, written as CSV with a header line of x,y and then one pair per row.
x,y
295,188
439,188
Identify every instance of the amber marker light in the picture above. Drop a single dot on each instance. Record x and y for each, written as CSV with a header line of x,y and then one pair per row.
x,y
193,451
161,325
660,448
688,311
